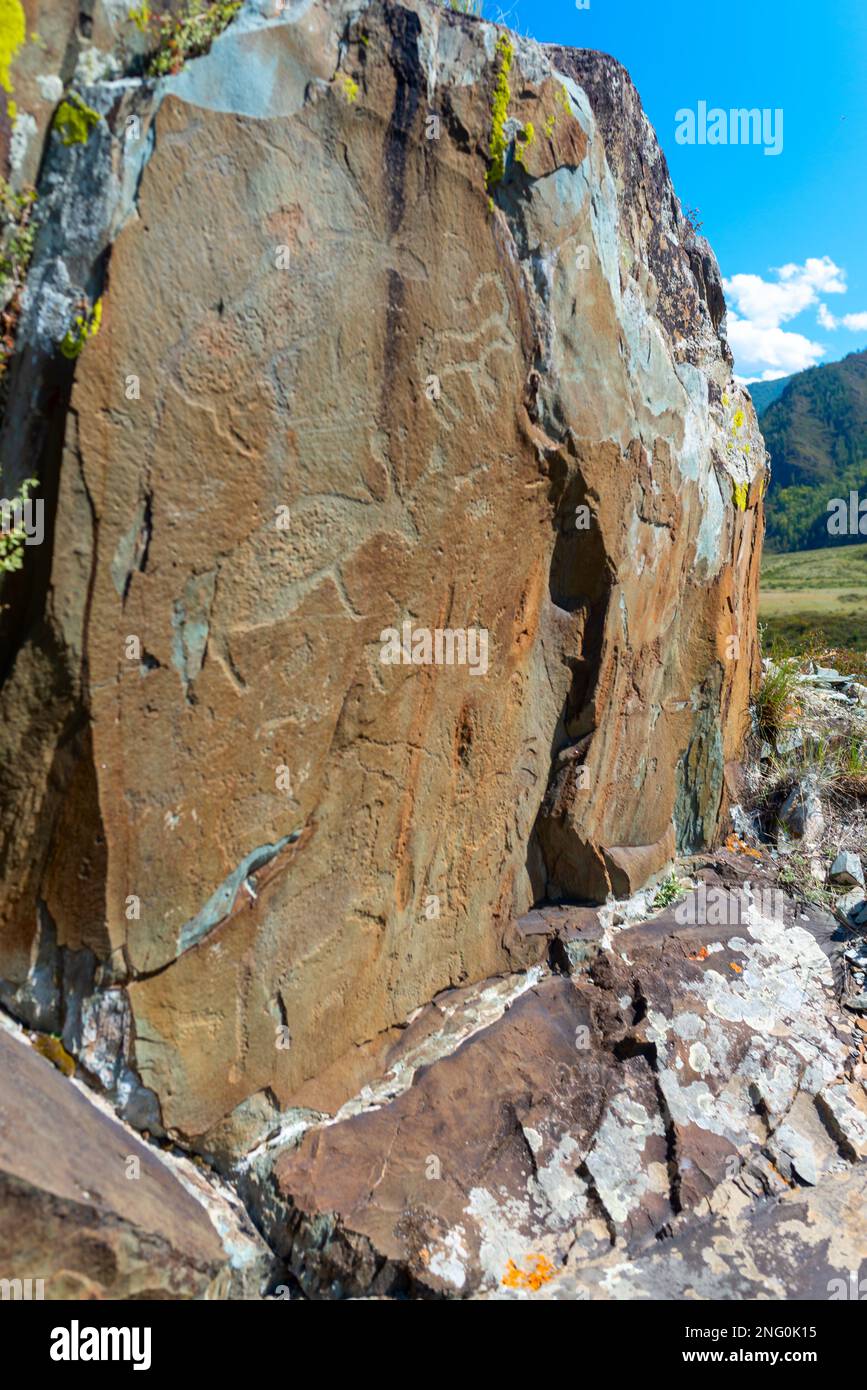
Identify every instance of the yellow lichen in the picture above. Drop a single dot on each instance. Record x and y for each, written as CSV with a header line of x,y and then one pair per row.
x,y
75,120
84,326
550,124
13,33
740,493
52,1050
499,112
141,17
350,88
524,140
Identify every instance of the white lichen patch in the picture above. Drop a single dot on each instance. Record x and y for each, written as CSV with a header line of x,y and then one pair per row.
x,y
50,87
616,1161
449,1258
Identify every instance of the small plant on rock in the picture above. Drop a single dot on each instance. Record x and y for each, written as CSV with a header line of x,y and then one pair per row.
x,y
668,892
850,774
17,235
187,34
12,542
691,216
774,704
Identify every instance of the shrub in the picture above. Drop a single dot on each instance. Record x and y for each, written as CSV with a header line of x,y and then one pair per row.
x,y
774,702
668,892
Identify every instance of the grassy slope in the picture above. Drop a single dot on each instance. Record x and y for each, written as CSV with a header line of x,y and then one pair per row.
x,y
809,590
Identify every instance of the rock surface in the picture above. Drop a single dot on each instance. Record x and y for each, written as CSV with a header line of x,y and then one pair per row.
x,y
846,869
345,380
683,1088
93,1212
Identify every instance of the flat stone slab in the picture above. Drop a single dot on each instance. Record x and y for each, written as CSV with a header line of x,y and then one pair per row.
x,y
92,1211
690,1069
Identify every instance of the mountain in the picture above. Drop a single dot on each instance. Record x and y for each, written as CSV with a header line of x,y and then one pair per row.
x,y
765,392
816,435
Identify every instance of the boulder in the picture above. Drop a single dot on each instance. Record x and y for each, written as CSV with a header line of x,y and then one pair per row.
x,y
107,1216
801,816
402,547
846,870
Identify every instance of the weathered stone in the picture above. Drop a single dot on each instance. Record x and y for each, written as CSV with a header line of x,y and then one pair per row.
x,y
93,1212
801,816
846,1118
64,44
695,1069
802,1245
336,390
846,869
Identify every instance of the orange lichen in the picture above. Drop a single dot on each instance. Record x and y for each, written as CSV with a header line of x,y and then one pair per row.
x,y
738,969
540,1271
739,846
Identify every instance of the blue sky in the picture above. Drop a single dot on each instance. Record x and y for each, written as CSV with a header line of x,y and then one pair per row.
x,y
789,230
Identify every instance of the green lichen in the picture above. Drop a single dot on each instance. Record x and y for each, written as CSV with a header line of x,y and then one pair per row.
x,y
83,326
740,492
13,34
524,140
75,120
499,112
350,88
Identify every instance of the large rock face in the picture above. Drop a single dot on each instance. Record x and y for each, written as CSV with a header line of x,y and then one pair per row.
x,y
347,378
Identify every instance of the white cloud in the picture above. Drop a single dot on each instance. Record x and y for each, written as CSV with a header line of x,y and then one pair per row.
x,y
770,352
856,323
768,303
762,347
819,271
